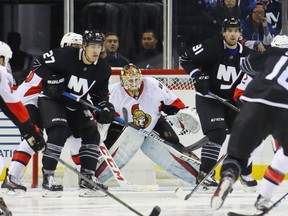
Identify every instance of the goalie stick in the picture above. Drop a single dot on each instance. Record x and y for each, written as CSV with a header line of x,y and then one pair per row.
x,y
222,100
264,212
155,211
181,194
118,174
152,134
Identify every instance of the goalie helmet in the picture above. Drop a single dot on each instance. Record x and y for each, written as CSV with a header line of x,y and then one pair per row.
x,y
280,41
131,79
5,52
92,36
71,38
231,23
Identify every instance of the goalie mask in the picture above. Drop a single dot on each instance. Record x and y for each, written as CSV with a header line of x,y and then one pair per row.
x,y
131,79
280,41
71,39
5,53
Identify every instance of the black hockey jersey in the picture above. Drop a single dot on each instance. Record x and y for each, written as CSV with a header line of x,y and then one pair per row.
x,y
212,58
80,79
270,83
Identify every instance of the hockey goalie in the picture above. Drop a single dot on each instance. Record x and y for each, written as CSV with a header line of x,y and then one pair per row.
x,y
141,101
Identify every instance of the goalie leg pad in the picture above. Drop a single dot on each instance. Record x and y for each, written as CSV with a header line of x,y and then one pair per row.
x,y
171,160
122,152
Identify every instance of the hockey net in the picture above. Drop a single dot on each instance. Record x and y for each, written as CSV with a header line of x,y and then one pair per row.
x,y
140,170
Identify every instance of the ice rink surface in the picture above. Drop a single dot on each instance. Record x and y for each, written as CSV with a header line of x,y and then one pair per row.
x,y
71,204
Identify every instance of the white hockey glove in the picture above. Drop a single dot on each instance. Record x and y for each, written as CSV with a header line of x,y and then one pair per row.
x,y
186,119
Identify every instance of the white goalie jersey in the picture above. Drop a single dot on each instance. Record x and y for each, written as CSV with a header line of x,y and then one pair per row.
x,y
145,110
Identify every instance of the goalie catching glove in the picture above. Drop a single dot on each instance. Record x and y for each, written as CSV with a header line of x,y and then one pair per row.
x,y
107,113
186,119
33,135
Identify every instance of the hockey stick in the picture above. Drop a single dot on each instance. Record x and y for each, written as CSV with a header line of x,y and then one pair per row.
x,y
181,194
222,100
152,134
155,212
118,174
264,212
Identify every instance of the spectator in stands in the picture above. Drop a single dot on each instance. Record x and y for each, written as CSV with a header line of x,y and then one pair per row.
x,y
257,32
273,14
150,58
21,62
114,58
227,9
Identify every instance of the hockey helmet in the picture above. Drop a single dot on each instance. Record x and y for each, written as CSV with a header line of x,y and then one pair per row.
x,y
5,52
280,41
92,36
231,22
71,38
131,79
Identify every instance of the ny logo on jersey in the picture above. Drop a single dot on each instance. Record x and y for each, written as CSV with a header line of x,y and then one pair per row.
x,y
228,74
79,85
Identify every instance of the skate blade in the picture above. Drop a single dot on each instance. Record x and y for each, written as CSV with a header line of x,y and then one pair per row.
x,y
250,189
15,192
219,195
51,194
91,193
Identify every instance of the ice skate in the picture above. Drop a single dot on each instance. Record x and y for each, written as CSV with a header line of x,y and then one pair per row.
x,y
12,185
262,203
224,188
50,187
4,209
88,190
249,183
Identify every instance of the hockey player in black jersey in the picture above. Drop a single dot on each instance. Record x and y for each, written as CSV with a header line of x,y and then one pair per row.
x,y
82,73
214,65
264,112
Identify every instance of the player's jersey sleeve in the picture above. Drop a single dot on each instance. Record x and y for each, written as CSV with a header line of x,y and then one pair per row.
x,y
254,63
201,54
160,90
15,107
240,88
51,62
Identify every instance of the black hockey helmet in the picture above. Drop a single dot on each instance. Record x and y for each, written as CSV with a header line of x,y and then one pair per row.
x,y
231,22
92,36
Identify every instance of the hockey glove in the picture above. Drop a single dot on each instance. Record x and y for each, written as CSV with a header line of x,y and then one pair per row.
x,y
33,135
168,109
201,83
54,87
107,113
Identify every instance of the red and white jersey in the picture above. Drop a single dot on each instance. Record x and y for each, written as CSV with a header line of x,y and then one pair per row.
x,y
29,90
11,100
145,110
240,88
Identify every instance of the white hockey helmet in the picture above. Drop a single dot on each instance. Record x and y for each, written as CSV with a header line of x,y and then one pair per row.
x,y
71,38
5,52
131,79
280,41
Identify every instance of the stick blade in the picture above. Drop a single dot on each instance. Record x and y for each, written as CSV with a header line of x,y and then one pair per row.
x,y
155,211
179,192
